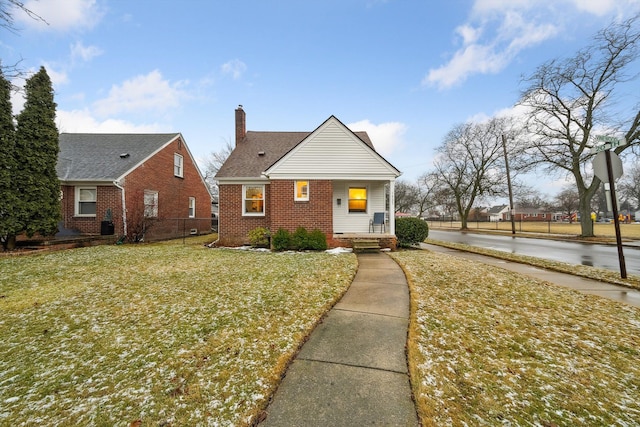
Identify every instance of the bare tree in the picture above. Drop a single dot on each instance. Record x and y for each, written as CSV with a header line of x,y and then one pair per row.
x,y
427,189
7,21
212,165
568,201
406,196
570,99
629,185
470,164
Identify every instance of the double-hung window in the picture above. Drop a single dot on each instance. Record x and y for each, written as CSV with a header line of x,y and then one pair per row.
x,y
357,199
301,191
86,199
150,204
192,207
253,200
178,163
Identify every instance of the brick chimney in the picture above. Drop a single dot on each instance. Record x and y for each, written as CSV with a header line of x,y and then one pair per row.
x,y
241,124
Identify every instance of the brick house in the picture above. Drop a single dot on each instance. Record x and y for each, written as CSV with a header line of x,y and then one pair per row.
x,y
532,214
331,179
149,179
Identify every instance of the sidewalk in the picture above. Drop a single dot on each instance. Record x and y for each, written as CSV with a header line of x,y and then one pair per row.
x,y
353,369
588,286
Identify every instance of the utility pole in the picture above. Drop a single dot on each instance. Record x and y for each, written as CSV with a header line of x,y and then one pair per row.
x,y
506,164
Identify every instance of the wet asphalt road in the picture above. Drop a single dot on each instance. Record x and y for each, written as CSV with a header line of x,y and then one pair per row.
x,y
596,255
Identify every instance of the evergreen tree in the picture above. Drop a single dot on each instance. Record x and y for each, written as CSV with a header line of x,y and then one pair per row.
x,y
9,225
36,154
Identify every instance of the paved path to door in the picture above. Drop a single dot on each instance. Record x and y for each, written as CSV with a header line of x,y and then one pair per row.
x,y
353,370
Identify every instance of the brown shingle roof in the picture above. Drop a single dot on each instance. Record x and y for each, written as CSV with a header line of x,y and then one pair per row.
x,y
246,160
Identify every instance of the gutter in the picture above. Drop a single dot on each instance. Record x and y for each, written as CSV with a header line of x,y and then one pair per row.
x,y
124,207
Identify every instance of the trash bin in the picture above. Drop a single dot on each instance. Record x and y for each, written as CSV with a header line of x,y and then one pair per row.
x,y
107,228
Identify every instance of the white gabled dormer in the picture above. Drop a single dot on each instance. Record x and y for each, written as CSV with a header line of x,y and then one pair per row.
x,y
332,151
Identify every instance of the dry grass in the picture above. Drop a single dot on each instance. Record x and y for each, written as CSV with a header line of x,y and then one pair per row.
x,y
167,334
627,231
601,274
491,347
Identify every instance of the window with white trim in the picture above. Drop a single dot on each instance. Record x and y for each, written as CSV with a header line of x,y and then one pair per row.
x,y
178,163
301,191
86,200
150,204
192,207
357,199
253,200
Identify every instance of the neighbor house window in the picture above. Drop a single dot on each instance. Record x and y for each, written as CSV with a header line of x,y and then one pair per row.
x,y
150,204
357,199
192,207
177,165
302,191
86,198
253,200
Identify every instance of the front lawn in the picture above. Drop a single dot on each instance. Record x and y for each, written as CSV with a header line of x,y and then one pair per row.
x,y
492,347
158,334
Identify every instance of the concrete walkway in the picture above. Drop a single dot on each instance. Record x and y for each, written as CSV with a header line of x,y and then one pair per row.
x,y
353,370
588,286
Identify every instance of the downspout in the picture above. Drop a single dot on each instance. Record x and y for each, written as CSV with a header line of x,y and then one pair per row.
x,y
392,207
124,207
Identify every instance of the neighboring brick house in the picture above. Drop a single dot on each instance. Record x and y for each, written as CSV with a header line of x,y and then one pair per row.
x,y
150,178
331,179
532,214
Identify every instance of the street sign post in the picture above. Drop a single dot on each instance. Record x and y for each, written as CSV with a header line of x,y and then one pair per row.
x,y
611,142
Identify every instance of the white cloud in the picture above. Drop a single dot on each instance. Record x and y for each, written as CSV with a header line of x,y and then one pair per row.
x,y
469,34
58,78
62,14
85,53
596,7
498,30
142,93
386,137
82,121
235,68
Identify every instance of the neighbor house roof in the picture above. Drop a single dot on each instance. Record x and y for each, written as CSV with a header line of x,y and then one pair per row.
x,y
106,157
496,209
259,150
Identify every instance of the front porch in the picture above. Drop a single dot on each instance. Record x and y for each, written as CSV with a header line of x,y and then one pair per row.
x,y
368,241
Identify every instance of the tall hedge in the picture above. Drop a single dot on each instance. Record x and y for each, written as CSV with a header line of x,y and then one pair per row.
x,y
36,151
9,225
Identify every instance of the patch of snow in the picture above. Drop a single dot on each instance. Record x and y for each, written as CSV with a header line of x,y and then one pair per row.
x,y
339,250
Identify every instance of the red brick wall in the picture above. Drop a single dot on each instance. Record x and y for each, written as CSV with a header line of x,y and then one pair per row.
x,y
282,211
108,197
290,214
233,228
156,174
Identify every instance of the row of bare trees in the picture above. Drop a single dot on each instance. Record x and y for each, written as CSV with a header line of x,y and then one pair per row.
x,y
565,103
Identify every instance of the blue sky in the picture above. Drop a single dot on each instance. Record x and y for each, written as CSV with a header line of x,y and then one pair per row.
x,y
406,71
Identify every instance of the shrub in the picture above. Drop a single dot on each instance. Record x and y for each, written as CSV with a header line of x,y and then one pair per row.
x,y
281,240
317,240
411,231
300,239
259,237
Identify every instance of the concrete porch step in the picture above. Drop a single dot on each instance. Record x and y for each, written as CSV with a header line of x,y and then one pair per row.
x,y
366,245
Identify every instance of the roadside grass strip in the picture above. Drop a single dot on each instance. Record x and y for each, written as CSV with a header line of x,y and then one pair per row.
x,y
491,347
159,334
604,275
